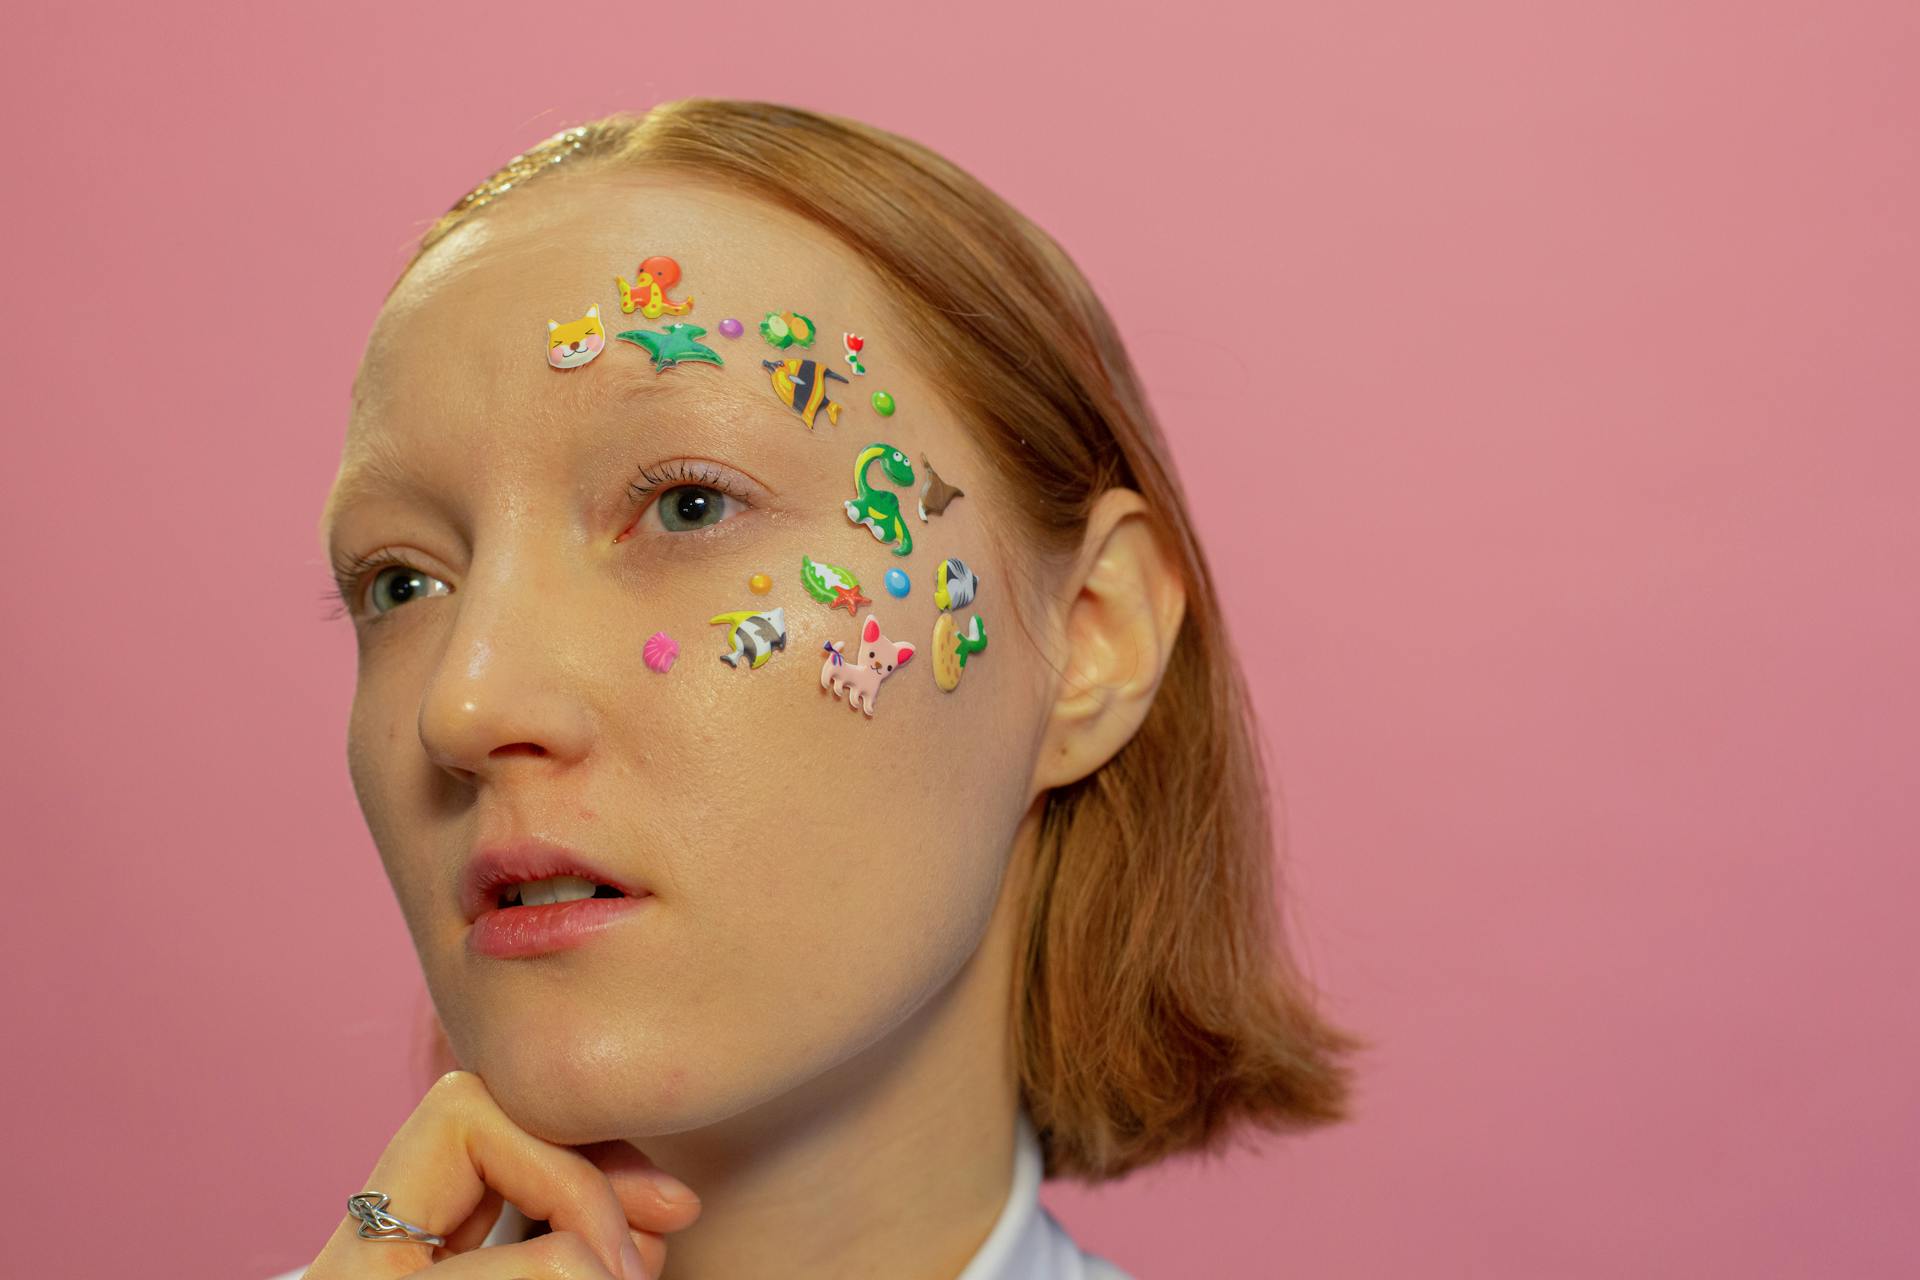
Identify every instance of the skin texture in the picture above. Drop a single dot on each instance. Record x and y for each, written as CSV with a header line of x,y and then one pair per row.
x,y
808,1023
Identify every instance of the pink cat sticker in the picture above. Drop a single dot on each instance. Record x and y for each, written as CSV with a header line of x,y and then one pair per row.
x,y
860,678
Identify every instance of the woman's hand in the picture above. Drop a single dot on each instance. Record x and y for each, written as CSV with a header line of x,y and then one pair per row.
x,y
458,1158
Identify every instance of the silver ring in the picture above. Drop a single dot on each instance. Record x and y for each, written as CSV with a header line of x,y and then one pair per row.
x,y
377,1225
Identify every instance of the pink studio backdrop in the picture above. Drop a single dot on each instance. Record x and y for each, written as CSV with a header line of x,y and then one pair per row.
x,y
1544,378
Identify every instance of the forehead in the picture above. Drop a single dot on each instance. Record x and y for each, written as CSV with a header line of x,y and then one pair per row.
x,y
483,297
457,356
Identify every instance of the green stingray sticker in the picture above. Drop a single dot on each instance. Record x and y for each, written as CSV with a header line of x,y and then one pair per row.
x,y
879,509
675,345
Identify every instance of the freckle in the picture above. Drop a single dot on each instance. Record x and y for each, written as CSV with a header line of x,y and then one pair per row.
x,y
588,815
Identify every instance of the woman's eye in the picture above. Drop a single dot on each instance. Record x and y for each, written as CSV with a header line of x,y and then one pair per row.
x,y
692,506
400,583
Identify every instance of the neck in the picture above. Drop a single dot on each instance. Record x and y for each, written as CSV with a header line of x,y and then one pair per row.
x,y
895,1164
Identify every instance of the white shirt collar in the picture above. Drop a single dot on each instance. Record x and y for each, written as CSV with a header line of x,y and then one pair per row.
x,y
1026,1243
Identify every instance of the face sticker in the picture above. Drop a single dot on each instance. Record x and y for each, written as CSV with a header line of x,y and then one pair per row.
x,y
883,404
731,328
573,344
954,585
936,493
760,584
897,584
786,328
660,651
951,647
859,677
878,509
832,586
854,343
754,636
670,348
802,387
648,293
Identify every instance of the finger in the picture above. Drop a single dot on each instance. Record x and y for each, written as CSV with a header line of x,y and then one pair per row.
x,y
559,1256
456,1146
654,1199
656,1203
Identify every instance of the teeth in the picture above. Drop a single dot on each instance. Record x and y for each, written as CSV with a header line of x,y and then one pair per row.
x,y
541,893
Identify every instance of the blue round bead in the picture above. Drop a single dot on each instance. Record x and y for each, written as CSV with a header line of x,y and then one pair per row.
x,y
897,584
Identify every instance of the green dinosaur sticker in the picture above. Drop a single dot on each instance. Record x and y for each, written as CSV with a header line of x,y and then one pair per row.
x,y
879,509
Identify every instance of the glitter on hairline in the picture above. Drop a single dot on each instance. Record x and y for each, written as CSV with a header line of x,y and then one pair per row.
x,y
517,170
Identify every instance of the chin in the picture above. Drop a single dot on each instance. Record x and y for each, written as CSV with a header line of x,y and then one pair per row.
x,y
605,1085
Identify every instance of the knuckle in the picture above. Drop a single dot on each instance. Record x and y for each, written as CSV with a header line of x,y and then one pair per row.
x,y
569,1255
456,1080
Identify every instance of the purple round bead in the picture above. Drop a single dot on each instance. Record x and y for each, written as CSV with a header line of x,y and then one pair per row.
x,y
731,328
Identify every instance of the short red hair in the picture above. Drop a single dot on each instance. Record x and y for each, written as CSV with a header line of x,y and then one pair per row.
x,y
1156,1008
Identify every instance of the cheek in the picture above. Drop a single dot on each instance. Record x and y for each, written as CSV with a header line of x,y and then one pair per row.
x,y
876,847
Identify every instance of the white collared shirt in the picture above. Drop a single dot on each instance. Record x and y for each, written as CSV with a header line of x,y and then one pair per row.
x,y
1026,1242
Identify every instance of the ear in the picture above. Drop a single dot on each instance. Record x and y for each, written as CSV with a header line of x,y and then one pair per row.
x,y
594,311
1125,599
552,325
871,631
902,655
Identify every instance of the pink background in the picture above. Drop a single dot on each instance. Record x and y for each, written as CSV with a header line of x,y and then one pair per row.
x,y
1544,377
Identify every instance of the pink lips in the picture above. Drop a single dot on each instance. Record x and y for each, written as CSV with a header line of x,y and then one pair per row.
x,y
508,932
492,870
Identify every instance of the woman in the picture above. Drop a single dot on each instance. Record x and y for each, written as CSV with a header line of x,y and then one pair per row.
x,y
951,872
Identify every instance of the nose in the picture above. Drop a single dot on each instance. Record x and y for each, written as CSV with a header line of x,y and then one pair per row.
x,y
507,687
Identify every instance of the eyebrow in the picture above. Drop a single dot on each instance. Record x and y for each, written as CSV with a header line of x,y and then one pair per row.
x,y
386,474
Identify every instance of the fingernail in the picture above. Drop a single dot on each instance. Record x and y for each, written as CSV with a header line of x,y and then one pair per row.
x,y
671,1188
630,1262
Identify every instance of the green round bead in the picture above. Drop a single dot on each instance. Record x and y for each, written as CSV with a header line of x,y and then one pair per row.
x,y
883,404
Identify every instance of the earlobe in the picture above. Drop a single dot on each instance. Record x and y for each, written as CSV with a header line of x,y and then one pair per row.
x,y
1120,625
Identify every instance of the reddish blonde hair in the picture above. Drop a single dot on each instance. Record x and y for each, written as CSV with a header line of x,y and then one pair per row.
x,y
1156,1008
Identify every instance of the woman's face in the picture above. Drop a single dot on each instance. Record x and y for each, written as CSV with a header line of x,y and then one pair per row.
x,y
817,875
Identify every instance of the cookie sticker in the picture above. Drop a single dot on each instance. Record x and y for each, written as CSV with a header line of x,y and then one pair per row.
x,y
952,647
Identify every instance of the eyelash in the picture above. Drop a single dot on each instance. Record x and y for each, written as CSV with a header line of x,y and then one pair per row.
x,y
350,573
683,471
349,581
